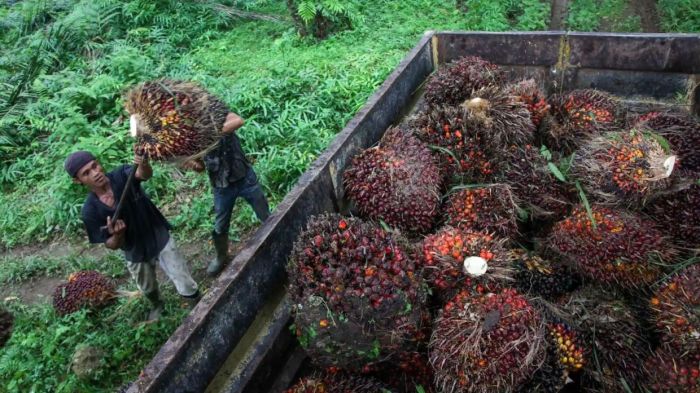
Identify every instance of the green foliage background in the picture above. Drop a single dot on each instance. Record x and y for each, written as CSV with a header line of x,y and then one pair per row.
x,y
65,64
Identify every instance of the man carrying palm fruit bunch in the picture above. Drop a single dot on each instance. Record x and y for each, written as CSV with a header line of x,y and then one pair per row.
x,y
231,176
140,231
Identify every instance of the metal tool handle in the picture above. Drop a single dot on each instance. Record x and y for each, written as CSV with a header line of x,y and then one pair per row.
x,y
127,188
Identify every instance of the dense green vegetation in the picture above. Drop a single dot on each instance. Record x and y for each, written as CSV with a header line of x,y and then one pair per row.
x,y
64,66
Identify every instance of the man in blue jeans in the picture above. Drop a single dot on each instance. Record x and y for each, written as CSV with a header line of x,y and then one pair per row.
x,y
231,176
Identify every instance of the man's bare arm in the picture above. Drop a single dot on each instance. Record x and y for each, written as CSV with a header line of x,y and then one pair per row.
x,y
145,170
232,123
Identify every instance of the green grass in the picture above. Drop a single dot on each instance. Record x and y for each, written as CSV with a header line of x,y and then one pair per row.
x,y
15,270
682,16
38,355
601,15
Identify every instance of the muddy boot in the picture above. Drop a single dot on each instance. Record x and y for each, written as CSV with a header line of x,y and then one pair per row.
x,y
221,247
192,300
156,306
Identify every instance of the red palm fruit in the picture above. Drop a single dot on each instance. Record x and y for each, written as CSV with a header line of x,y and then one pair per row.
x,y
678,214
6,323
398,182
623,167
666,372
615,248
358,296
579,115
453,259
676,306
488,342
682,132
85,288
490,208
336,382
527,92
611,333
174,119
460,147
455,82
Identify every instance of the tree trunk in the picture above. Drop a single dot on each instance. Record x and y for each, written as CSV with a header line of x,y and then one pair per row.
x,y
462,5
298,23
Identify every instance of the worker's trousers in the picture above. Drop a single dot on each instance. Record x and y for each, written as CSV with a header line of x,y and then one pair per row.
x,y
174,266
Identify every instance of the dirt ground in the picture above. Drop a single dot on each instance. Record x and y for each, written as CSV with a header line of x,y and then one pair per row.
x,y
40,288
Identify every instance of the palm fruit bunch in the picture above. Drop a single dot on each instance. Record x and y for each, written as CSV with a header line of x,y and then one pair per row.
x,y
471,137
461,147
676,306
398,182
527,92
336,382
454,259
489,208
488,342
501,118
611,332
536,276
85,288
623,167
566,356
174,119
613,247
678,214
358,297
682,132
538,190
579,115
6,322
666,372
455,82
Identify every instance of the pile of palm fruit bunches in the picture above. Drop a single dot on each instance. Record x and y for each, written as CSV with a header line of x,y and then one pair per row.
x,y
506,241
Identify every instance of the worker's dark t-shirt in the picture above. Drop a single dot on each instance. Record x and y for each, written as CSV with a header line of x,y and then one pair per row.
x,y
147,231
226,164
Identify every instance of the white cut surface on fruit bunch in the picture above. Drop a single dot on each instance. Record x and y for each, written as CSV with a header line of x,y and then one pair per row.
x,y
475,266
133,125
